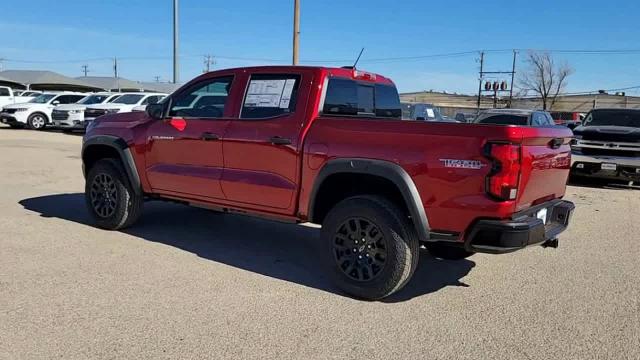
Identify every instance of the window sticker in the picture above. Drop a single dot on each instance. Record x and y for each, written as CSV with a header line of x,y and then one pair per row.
x,y
430,113
270,93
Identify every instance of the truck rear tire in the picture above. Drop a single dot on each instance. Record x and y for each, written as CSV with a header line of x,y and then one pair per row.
x,y
370,247
110,198
447,252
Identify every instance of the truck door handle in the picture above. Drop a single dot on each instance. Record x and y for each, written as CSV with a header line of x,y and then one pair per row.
x,y
556,143
207,136
277,140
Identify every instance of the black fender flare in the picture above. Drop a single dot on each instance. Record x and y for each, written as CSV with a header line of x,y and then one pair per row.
x,y
384,169
123,150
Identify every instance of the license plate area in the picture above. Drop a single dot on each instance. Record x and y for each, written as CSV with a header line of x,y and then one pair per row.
x,y
608,166
542,215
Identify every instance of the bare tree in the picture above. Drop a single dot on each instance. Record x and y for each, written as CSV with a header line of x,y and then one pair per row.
x,y
544,77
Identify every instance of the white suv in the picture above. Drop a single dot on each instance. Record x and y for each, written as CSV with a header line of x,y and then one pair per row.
x,y
124,103
71,116
36,114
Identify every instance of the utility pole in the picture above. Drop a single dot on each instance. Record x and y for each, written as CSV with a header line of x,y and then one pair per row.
x,y
296,30
481,78
85,69
115,73
513,76
208,61
157,78
176,75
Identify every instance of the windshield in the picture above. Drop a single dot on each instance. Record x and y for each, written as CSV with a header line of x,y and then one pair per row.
x,y
42,99
114,98
630,118
93,99
129,99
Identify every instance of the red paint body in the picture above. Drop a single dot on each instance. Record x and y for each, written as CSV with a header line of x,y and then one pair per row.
x,y
244,171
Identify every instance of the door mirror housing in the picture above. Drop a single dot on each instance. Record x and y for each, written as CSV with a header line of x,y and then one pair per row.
x,y
155,111
55,102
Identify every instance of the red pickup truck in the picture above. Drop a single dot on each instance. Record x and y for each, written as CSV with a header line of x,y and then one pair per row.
x,y
328,146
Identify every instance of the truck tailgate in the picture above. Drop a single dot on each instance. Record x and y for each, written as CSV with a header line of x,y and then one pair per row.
x,y
546,161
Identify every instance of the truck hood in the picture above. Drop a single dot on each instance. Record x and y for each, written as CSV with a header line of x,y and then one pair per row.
x,y
67,107
609,133
24,106
122,120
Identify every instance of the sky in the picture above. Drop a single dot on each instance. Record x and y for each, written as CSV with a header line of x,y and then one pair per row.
x,y
64,35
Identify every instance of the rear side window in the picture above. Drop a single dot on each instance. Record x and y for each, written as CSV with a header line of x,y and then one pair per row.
x,y
4,92
503,119
540,119
270,95
352,98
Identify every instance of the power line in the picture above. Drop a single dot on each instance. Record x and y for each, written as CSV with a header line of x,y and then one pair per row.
x,y
365,60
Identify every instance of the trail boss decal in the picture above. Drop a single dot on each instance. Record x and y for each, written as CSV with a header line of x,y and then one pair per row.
x,y
463,164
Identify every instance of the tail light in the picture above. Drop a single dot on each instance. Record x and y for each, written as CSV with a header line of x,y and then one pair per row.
x,y
502,181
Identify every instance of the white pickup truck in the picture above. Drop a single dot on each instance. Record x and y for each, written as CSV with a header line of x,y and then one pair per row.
x,y
8,97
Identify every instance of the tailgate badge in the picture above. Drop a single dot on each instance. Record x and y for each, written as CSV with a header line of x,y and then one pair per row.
x,y
463,164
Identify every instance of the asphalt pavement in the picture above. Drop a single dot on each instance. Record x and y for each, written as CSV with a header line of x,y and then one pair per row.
x,y
190,283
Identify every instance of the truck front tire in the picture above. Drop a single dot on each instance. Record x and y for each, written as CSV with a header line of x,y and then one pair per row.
x,y
370,247
110,198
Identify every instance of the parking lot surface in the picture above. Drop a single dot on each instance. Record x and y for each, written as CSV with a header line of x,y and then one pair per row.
x,y
189,283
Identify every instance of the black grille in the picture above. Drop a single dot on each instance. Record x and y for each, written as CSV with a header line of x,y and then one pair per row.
x,y
60,115
610,152
94,113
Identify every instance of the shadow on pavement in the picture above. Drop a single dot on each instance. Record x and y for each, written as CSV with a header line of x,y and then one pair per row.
x,y
283,251
595,183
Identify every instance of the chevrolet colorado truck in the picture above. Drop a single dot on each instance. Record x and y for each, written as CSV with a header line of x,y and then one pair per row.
x,y
607,145
328,146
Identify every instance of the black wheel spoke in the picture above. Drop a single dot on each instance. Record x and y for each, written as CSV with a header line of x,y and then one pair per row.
x,y
103,195
359,249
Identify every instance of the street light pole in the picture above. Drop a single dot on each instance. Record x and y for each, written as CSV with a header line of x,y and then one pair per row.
x,y
176,75
296,30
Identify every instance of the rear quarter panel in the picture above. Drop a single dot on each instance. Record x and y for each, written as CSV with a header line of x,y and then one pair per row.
x,y
452,197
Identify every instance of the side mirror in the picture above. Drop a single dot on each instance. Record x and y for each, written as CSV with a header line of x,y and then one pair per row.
x,y
55,102
155,111
421,118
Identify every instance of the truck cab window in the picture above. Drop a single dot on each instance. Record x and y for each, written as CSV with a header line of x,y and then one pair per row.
x,y
204,100
351,98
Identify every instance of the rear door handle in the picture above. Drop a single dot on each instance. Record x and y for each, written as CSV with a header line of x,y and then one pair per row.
x,y
277,140
207,136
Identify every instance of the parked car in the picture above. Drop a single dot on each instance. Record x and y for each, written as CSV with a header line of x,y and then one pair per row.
x,y
126,102
280,146
607,145
567,118
8,96
514,117
71,116
36,114
465,117
424,112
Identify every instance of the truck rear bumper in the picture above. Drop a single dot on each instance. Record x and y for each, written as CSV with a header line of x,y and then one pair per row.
x,y
523,229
